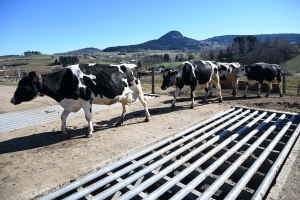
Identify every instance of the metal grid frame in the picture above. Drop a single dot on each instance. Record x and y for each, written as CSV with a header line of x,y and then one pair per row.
x,y
235,154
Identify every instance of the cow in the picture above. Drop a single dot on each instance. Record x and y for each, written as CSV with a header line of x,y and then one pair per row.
x,y
78,86
228,72
189,74
259,72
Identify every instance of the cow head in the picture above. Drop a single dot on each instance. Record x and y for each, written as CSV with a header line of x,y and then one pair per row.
x,y
243,70
169,78
26,90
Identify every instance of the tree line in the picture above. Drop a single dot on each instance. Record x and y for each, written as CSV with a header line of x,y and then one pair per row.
x,y
250,50
66,60
31,53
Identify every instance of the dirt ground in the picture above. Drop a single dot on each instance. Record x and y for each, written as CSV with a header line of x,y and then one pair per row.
x,y
36,159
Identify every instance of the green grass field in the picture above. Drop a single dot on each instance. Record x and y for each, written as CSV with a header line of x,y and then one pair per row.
x,y
292,65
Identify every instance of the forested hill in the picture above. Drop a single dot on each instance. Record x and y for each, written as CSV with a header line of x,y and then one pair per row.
x,y
293,38
174,40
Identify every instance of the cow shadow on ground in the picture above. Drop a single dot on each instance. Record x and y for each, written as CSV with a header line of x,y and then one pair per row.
x,y
138,115
49,138
198,101
32,141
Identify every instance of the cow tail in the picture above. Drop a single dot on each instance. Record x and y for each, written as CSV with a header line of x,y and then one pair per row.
x,y
278,75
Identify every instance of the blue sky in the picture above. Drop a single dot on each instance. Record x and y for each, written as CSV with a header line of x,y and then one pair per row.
x,y
64,25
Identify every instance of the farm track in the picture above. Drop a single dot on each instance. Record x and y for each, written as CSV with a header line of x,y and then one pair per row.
x,y
38,159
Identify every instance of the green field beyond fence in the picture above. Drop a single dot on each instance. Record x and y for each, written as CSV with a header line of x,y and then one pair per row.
x,y
292,84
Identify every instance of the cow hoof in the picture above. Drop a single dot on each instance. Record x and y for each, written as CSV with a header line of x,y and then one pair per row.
x,y
220,100
281,95
244,97
172,107
191,107
257,96
88,135
118,124
147,120
266,95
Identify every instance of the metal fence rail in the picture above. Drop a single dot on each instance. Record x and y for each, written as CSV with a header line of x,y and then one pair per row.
x,y
234,154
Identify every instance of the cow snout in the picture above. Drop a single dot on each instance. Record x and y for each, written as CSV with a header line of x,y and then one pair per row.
x,y
163,87
13,101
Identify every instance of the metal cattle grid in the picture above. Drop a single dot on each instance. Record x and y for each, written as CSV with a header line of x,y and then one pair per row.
x,y
235,154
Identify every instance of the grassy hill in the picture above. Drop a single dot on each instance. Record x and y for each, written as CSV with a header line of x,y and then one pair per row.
x,y
292,65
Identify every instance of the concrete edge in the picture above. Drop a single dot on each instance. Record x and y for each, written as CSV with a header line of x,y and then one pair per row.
x,y
284,172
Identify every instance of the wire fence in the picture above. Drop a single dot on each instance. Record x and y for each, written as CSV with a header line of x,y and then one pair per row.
x,y
152,82
290,85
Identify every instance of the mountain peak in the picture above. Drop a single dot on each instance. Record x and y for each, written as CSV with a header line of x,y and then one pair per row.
x,y
172,34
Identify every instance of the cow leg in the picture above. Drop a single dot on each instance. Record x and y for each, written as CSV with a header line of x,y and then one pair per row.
x,y
210,91
280,88
259,89
270,89
218,87
177,90
246,90
206,88
193,87
143,101
63,117
234,84
121,120
87,107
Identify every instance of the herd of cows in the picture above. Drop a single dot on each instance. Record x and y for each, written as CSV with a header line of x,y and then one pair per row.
x,y
79,86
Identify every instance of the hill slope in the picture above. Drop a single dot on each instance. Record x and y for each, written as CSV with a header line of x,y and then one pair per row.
x,y
173,40
88,50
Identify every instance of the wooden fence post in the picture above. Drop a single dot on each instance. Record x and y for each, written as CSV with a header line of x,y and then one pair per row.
x,y
153,92
283,84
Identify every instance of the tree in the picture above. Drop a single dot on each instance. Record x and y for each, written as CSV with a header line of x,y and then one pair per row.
x,y
229,54
211,55
68,60
221,56
191,57
166,57
56,62
139,64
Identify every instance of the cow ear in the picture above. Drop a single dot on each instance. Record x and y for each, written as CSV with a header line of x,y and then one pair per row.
x,y
32,75
123,68
24,74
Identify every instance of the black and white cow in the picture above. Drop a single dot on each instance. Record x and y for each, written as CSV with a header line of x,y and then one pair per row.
x,y
191,73
259,72
78,86
228,72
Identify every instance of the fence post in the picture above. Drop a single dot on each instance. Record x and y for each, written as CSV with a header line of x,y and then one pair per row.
x,y
298,93
153,80
283,84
